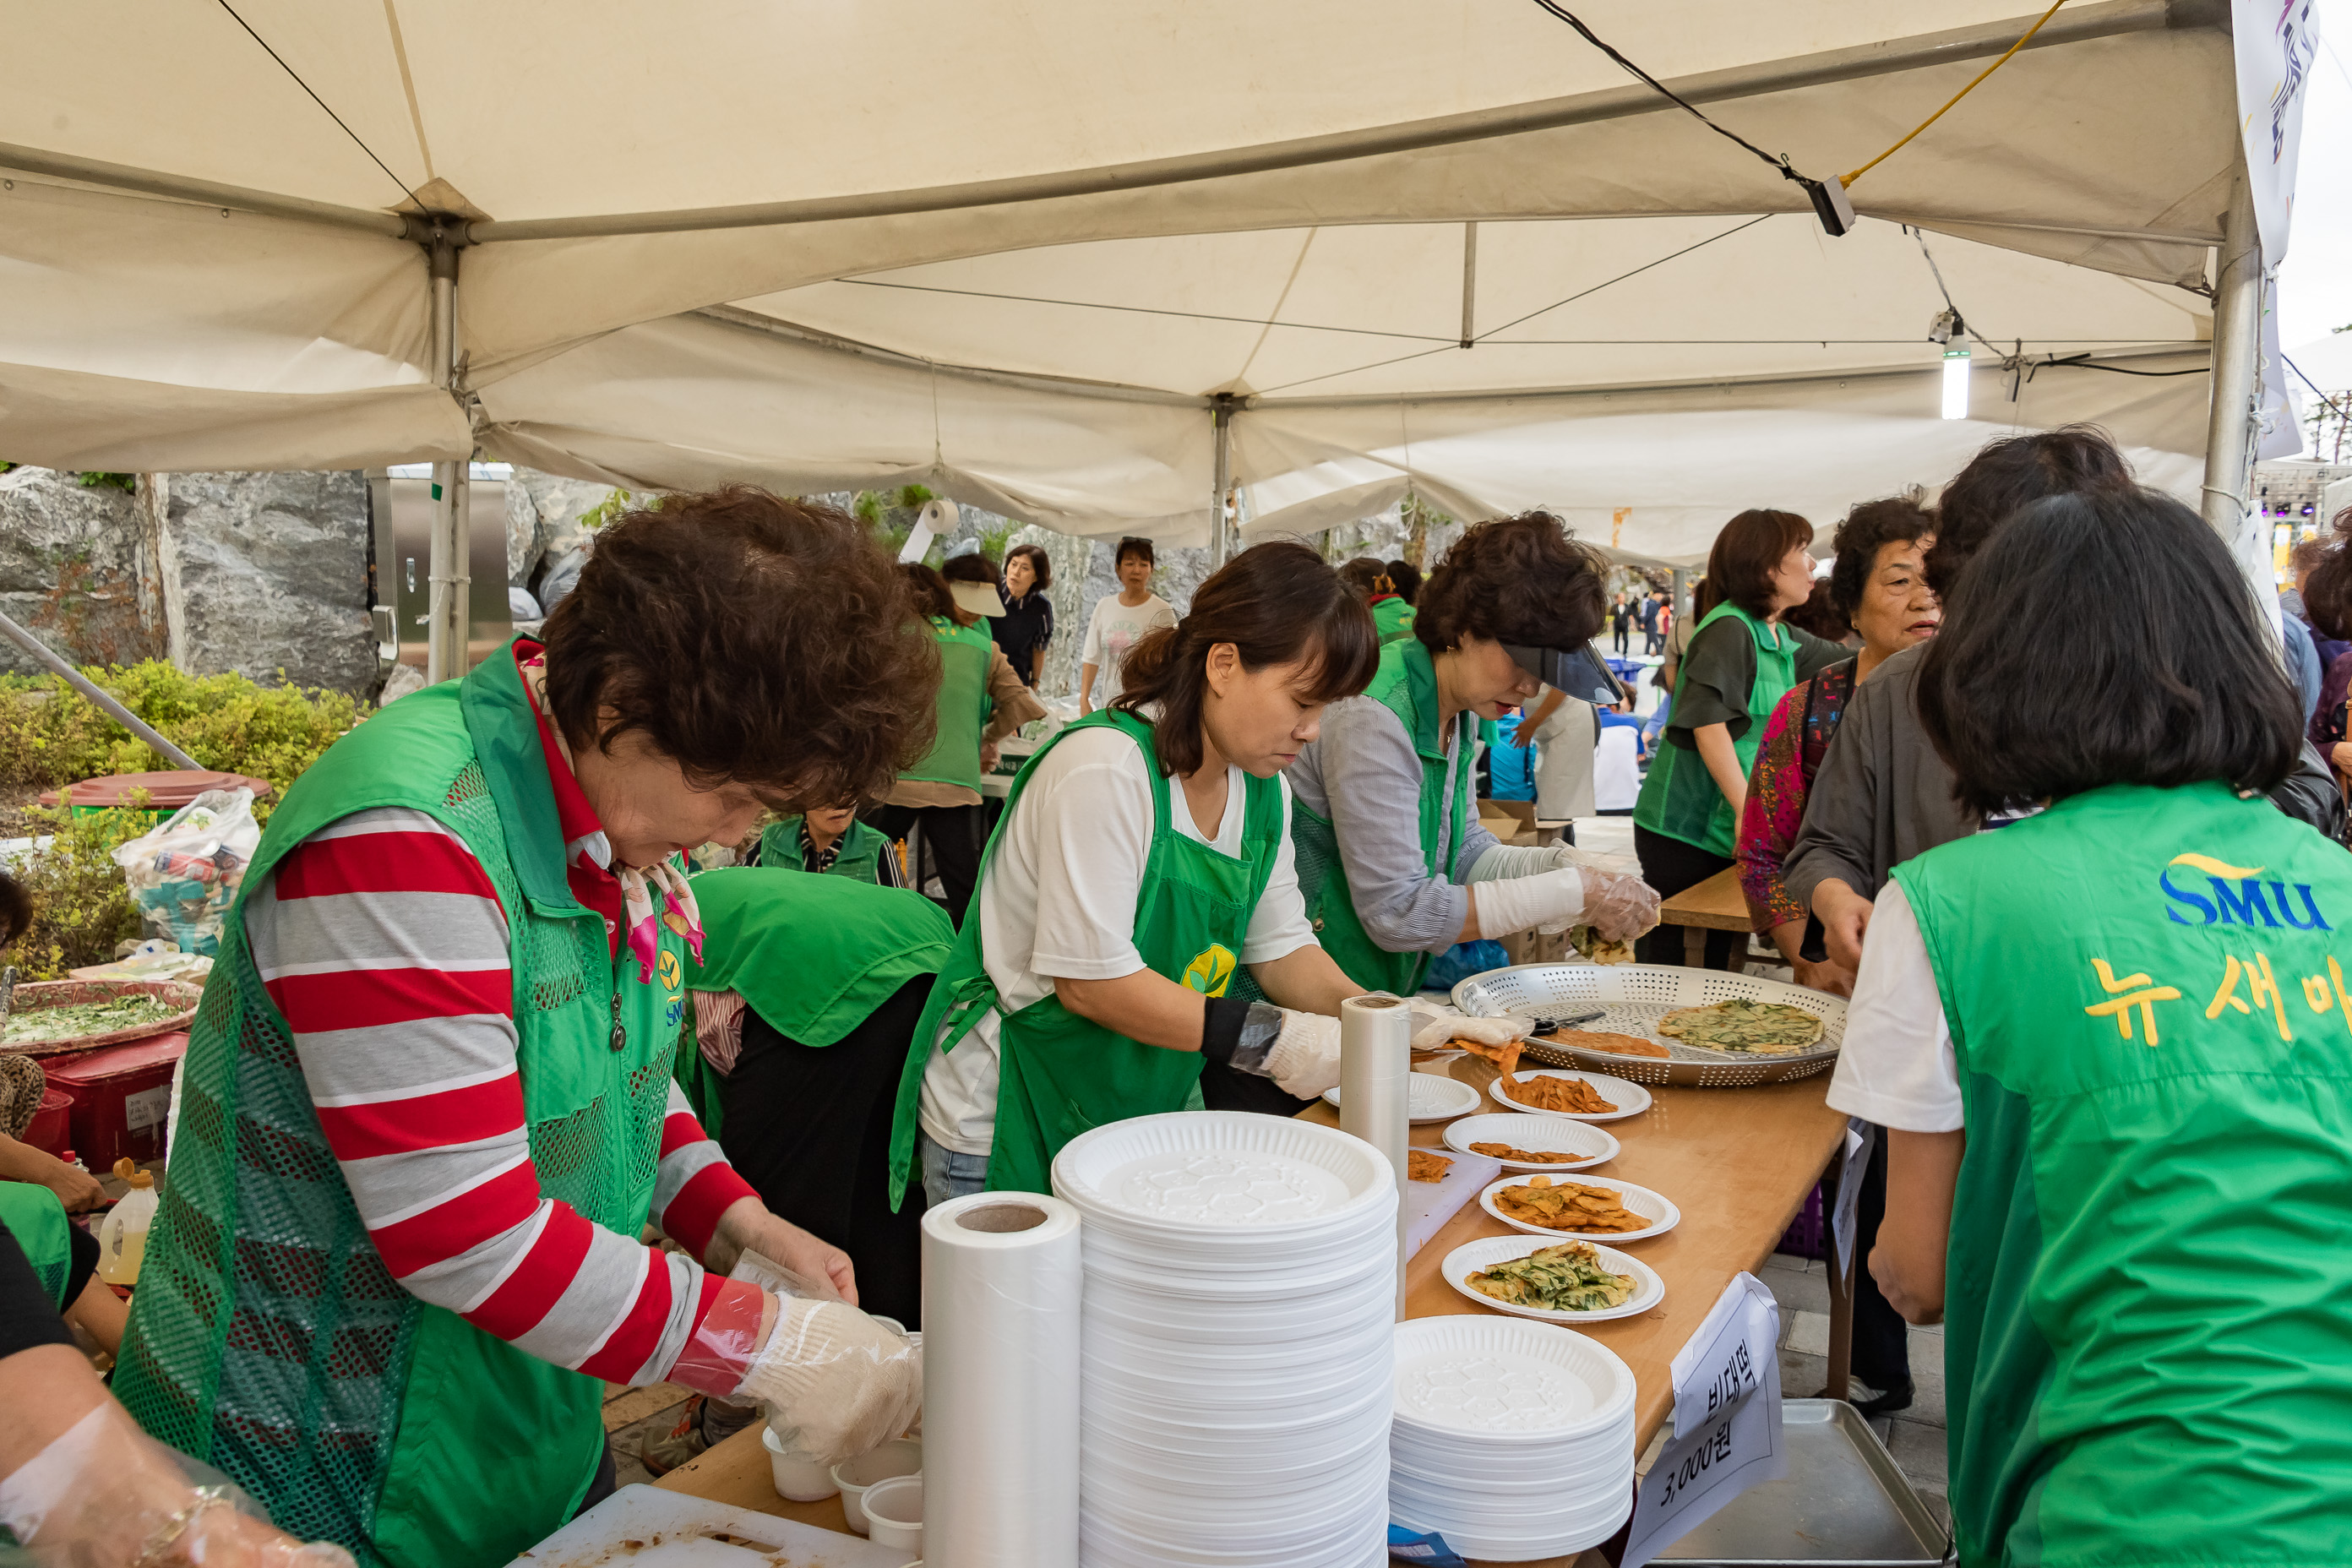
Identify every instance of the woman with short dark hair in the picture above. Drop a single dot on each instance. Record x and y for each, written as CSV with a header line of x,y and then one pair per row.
x,y
1143,859
1027,624
1396,866
1119,622
430,1087
1740,662
2110,1041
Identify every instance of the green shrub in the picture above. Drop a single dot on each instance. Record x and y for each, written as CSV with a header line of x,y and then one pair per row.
x,y
82,906
50,735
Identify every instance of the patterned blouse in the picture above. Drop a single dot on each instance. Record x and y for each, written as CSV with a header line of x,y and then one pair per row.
x,y
1796,738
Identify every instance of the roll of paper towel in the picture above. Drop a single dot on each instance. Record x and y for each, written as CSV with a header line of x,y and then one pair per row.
x,y
1001,1383
1376,1090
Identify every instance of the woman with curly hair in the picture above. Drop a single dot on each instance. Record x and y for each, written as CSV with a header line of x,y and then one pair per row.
x,y
1394,867
1143,860
428,1108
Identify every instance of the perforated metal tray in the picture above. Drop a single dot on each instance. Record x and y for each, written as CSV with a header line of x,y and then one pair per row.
x,y
1631,998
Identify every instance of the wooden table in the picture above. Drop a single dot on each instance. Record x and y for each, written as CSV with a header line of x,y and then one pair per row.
x,y
1716,904
1738,1162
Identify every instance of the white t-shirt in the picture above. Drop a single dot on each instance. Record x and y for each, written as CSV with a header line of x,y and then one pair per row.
x,y
1617,768
1058,900
1111,630
1898,1068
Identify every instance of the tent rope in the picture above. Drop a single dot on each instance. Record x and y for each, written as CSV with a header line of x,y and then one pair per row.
x,y
1850,179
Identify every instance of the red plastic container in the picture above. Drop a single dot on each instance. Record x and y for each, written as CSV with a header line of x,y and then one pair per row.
x,y
121,1095
166,792
50,1126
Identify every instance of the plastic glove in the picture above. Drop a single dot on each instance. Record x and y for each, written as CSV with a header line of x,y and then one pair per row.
x,y
836,1382
1619,906
1435,1031
1305,1057
103,1492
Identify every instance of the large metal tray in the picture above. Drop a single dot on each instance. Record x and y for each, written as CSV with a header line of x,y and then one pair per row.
x,y
1632,998
1843,1504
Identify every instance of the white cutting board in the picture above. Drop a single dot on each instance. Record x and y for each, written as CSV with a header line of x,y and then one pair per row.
x,y
1429,1204
644,1527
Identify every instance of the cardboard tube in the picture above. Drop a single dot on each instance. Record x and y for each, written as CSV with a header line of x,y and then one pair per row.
x,y
1375,1092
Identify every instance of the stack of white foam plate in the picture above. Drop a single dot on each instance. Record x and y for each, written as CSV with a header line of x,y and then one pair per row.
x,y
1236,1373
1515,1439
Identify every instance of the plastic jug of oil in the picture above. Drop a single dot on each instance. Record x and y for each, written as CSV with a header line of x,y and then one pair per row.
x,y
122,1238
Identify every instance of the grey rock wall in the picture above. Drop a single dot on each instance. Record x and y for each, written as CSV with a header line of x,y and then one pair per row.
x,y
543,513
69,569
267,575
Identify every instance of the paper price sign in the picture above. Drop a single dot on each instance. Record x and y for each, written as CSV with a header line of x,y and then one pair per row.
x,y
1843,1225
1726,1420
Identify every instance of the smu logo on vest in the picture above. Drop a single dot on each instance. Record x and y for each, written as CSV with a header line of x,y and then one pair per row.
x,y
2234,896
1211,970
673,975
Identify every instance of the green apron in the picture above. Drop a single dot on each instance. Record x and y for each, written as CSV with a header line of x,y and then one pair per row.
x,y
1060,1075
810,955
267,1337
1680,797
1407,686
36,1219
1392,618
2149,1304
963,703
857,857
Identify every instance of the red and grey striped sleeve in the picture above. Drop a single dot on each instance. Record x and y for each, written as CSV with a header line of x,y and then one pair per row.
x,y
381,940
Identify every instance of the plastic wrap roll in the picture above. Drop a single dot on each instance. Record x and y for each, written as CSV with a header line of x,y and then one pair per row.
x,y
1375,1096
1000,1331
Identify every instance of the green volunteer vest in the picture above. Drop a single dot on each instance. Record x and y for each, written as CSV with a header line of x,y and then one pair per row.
x,y
267,1337
857,857
965,653
36,1219
1392,618
812,955
1407,686
1679,798
2149,1306
1060,1075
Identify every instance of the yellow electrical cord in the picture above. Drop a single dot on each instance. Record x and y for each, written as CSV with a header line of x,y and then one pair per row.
x,y
1850,179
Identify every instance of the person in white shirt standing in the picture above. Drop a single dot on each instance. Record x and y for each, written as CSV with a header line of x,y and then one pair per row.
x,y
1144,858
1119,621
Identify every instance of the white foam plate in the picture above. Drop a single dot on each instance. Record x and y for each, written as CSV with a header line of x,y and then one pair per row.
x,y
1223,1171
1508,1378
1542,1134
1486,1252
1630,1098
1652,1207
1428,1098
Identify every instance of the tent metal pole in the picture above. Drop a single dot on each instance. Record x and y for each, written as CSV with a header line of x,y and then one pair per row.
x,y
1221,425
1469,283
98,695
446,616
2237,343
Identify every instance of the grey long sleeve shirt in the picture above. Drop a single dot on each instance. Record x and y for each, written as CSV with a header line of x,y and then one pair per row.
x,y
1362,776
1883,795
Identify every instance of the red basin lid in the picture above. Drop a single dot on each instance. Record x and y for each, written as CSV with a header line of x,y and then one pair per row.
x,y
167,791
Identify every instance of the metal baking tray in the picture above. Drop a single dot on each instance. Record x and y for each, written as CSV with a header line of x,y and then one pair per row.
x,y
1843,1504
1631,998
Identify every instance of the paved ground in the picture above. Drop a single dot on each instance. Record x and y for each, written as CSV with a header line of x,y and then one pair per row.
x,y
1915,1436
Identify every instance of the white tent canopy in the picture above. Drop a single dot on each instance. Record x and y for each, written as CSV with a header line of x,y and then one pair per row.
x,y
204,269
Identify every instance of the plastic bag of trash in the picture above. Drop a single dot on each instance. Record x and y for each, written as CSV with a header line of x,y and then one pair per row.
x,y
185,874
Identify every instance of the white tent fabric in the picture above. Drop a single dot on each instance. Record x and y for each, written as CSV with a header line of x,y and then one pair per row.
x,y
1324,155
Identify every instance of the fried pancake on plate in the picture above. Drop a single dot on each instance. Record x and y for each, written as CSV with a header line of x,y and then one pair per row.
x,y
1614,1044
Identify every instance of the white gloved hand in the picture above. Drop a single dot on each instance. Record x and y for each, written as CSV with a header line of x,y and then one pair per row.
x,y
1305,1059
1435,1031
836,1382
